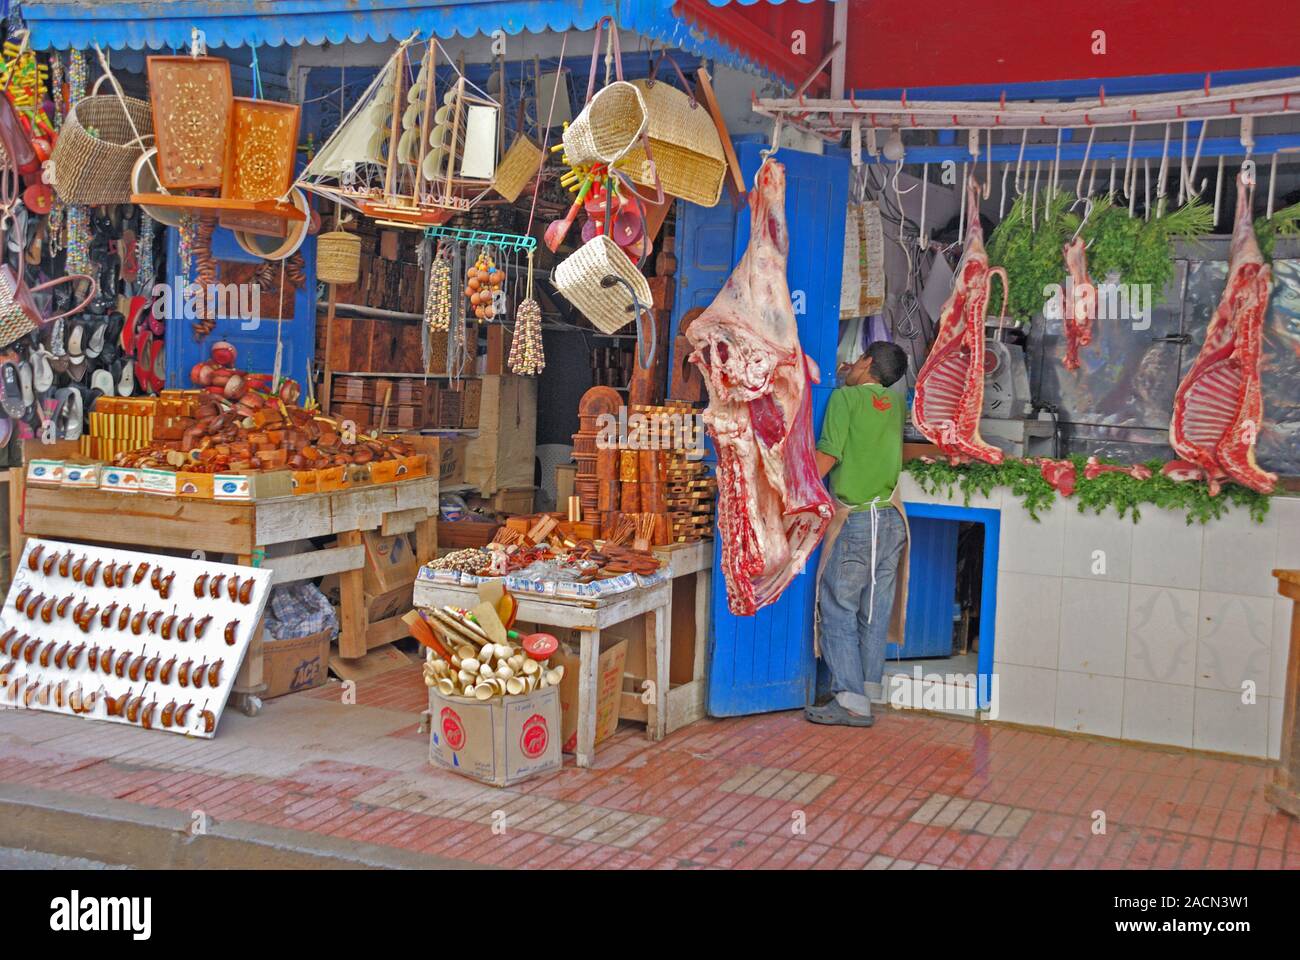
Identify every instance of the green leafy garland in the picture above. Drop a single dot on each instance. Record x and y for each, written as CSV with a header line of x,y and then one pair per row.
x,y
1283,223
1112,489
1135,248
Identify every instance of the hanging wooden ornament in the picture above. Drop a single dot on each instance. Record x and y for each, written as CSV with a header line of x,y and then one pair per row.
x,y
526,356
437,301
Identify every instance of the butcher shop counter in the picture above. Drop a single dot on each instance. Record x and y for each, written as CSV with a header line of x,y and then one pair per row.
x,y
669,621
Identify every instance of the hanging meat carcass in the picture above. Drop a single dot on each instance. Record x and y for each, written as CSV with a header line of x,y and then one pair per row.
x,y
772,507
1079,303
950,386
1218,408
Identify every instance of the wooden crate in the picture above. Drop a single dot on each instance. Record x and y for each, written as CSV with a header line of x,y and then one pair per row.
x,y
471,399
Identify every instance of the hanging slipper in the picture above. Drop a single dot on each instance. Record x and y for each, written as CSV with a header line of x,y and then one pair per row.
x,y
102,380
71,418
11,390
26,383
6,431
158,366
125,376
42,371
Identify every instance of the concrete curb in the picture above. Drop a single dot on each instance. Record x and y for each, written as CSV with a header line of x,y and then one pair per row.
x,y
115,831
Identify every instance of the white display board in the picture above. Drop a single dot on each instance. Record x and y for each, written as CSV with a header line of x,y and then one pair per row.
x,y
141,657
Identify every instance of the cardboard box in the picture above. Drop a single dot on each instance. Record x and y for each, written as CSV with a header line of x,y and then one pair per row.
x,y
158,481
51,471
390,562
609,691
252,486
81,475
292,665
119,480
196,486
502,741
451,460
394,603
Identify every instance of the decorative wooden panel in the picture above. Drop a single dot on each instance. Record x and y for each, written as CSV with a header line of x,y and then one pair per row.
x,y
259,160
191,115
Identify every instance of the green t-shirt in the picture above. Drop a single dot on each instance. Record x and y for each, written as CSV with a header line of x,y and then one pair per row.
x,y
863,430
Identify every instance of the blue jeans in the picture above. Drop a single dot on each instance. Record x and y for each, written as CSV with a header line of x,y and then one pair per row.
x,y
853,633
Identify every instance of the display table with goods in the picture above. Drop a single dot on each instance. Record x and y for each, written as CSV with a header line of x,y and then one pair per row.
x,y
130,637
236,477
598,589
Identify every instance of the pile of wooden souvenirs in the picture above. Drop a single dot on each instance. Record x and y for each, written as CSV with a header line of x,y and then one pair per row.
x,y
548,548
648,464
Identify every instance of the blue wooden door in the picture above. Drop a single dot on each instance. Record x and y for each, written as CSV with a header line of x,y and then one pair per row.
x,y
253,339
930,610
765,662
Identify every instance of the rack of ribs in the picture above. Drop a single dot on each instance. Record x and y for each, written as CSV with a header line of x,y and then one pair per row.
x,y
950,386
1219,407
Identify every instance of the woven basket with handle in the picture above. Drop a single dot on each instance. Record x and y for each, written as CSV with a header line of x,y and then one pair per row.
x,y
97,149
686,146
579,278
613,119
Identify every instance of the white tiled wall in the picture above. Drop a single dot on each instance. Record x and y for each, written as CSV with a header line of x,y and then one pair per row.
x,y
1155,631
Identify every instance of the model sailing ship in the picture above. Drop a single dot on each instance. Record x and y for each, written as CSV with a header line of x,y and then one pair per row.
x,y
408,153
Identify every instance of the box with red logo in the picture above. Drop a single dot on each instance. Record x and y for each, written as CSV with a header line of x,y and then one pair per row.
x,y
502,741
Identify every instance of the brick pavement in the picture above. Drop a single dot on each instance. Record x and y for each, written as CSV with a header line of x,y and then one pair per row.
x,y
770,792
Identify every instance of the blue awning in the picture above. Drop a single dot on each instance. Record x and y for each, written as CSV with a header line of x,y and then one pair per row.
x,y
166,24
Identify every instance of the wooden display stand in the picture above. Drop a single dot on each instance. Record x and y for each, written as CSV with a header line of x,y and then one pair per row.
x,y
1284,791
245,530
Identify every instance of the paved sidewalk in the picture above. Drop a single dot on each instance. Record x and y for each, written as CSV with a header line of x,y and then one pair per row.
x,y
771,791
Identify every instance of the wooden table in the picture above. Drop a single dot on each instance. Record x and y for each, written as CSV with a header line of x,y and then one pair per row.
x,y
1284,791
245,530
690,568
588,618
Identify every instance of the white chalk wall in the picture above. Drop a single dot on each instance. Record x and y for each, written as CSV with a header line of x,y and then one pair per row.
x,y
1157,648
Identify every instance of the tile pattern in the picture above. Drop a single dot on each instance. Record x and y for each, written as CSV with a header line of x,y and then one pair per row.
x,y
914,792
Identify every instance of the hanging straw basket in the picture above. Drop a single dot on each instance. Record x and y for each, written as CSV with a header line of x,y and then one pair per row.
x,y
685,145
97,150
518,167
608,126
338,257
579,278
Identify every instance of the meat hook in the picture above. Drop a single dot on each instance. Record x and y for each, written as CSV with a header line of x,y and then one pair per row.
x,y
1130,171
922,240
1218,189
1272,182
1002,200
1078,187
1024,138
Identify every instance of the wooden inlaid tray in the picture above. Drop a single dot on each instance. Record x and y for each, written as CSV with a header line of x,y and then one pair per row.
x,y
191,116
259,160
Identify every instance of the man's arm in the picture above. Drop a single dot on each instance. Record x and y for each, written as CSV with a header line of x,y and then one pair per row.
x,y
834,434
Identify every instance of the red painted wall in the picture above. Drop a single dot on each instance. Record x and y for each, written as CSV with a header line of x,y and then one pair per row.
x,y
912,43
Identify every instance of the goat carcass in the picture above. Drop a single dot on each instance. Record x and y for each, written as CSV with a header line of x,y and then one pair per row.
x,y
772,507
950,386
1218,408
1079,304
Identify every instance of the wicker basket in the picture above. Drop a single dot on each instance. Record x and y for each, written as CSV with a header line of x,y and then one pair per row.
x,y
578,279
685,144
338,257
517,168
608,126
94,168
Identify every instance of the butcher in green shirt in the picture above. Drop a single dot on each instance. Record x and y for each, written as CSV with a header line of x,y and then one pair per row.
x,y
861,447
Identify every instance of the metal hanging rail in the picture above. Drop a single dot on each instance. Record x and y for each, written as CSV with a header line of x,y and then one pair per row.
x,y
508,241
829,117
